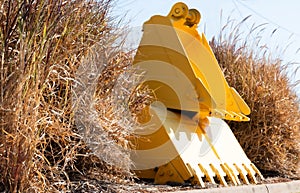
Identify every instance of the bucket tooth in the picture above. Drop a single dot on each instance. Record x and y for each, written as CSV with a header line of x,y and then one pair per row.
x,y
196,179
235,173
230,174
257,171
243,117
243,176
209,177
219,174
251,174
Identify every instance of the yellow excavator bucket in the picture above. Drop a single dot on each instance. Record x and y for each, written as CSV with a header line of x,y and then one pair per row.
x,y
183,137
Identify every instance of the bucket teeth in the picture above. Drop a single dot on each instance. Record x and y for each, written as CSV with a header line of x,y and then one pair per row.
x,y
215,157
209,177
229,115
242,174
250,174
196,179
219,174
234,174
231,175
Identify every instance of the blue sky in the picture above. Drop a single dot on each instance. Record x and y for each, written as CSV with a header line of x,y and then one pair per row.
x,y
277,14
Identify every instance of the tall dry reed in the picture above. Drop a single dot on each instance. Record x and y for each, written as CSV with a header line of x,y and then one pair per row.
x,y
42,45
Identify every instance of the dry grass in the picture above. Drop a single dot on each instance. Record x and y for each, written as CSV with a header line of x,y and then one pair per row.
x,y
272,138
43,43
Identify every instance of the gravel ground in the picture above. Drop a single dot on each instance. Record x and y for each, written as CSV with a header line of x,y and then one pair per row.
x,y
146,187
96,186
